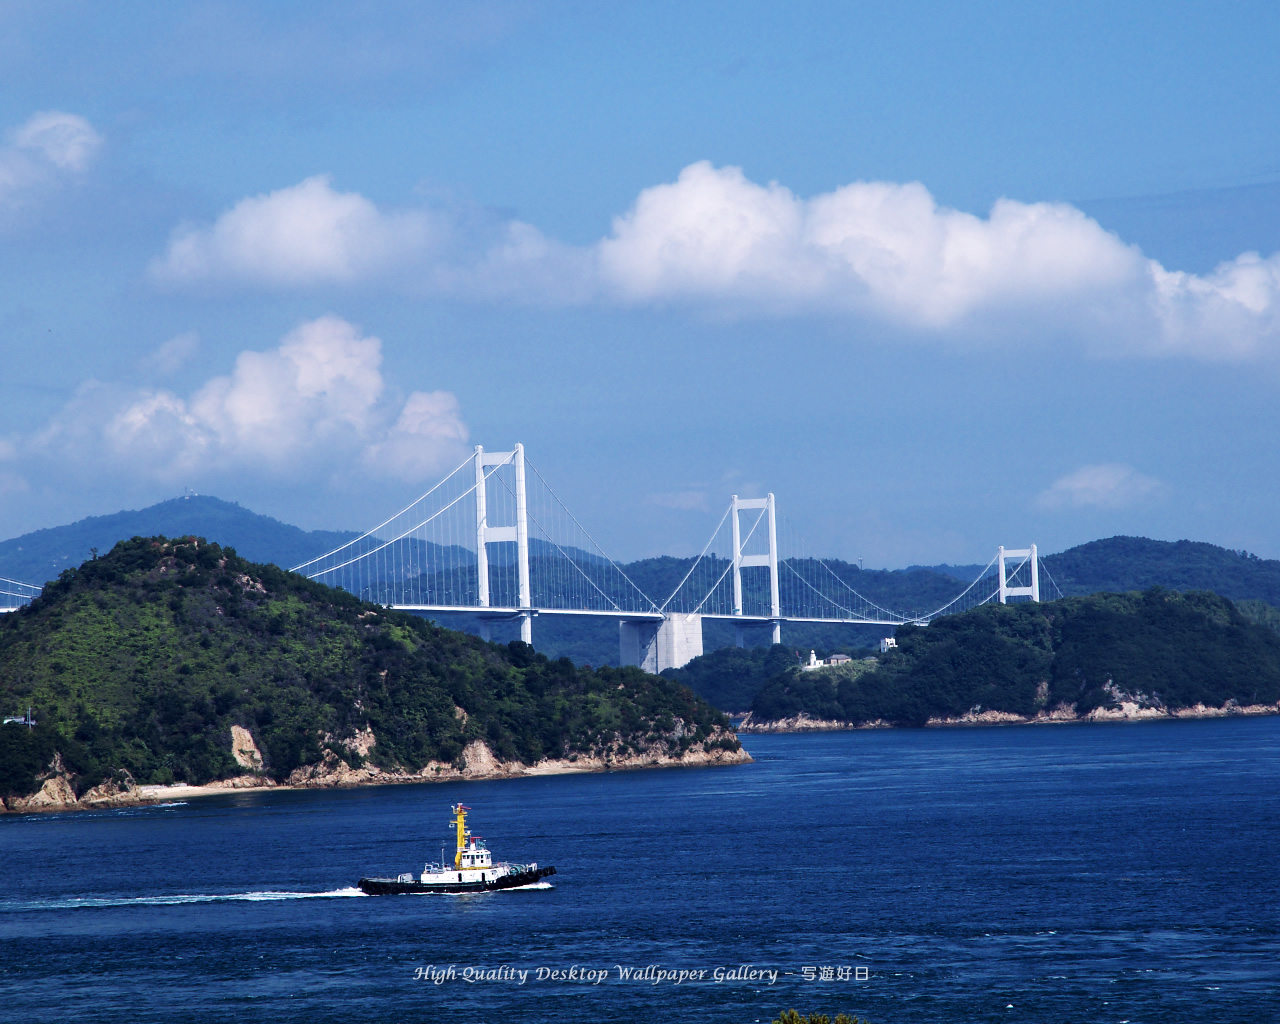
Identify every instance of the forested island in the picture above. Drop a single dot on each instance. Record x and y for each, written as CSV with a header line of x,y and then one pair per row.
x,y
1157,653
177,661
168,662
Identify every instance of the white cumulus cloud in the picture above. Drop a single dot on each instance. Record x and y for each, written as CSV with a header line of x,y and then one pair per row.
x,y
172,355
887,252
429,423
878,253
1105,486
316,405
67,141
870,247
1233,312
307,234
48,147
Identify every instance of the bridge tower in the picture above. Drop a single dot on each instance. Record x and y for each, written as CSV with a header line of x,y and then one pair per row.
x,y
518,532
770,560
1032,591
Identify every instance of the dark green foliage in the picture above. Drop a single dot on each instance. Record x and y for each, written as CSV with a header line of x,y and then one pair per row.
x,y
1122,564
145,658
731,677
815,693
1260,612
1178,649
1160,648
24,753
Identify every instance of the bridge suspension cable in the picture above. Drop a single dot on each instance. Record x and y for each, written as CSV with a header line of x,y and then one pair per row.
x,y
706,588
484,541
864,610
599,580
813,589
493,539
1056,590
354,544
959,602
702,554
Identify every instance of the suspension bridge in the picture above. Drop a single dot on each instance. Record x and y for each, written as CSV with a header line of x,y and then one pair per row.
x,y
494,541
14,595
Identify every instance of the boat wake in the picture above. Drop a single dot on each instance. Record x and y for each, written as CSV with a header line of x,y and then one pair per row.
x,y
263,896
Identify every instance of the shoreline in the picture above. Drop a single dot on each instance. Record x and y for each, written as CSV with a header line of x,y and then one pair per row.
x,y
479,763
1128,711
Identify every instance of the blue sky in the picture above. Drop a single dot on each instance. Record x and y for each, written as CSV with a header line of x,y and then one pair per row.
x,y
941,276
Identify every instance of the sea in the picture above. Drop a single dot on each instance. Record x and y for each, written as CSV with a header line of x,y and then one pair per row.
x,y
1080,873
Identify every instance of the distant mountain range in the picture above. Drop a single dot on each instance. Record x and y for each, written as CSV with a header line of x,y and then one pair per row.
x,y
1120,564
40,556
1114,564
1136,563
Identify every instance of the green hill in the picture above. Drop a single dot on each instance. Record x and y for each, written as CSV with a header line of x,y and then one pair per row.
x,y
1135,563
144,660
1158,650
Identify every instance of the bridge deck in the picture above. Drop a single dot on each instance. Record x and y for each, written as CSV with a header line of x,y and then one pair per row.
x,y
490,612
746,620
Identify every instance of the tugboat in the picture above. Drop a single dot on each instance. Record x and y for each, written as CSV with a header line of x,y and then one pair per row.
x,y
473,869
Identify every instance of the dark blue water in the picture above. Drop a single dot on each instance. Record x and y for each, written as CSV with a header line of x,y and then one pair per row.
x,y
1091,873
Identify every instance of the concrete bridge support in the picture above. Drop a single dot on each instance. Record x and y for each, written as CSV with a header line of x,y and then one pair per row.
x,y
655,645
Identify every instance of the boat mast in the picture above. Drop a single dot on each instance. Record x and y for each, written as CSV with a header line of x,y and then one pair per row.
x,y
460,820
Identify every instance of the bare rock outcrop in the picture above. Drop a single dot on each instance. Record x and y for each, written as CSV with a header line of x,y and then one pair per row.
x,y
361,742
664,753
118,791
244,750
804,723
244,782
478,761
55,792
980,716
331,770
1124,708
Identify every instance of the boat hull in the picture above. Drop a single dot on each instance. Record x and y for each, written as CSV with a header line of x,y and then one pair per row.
x,y
395,887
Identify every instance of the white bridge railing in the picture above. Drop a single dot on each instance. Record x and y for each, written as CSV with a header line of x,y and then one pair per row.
x,y
15,595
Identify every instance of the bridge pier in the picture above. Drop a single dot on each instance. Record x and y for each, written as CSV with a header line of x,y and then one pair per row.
x,y
740,631
652,645
526,624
